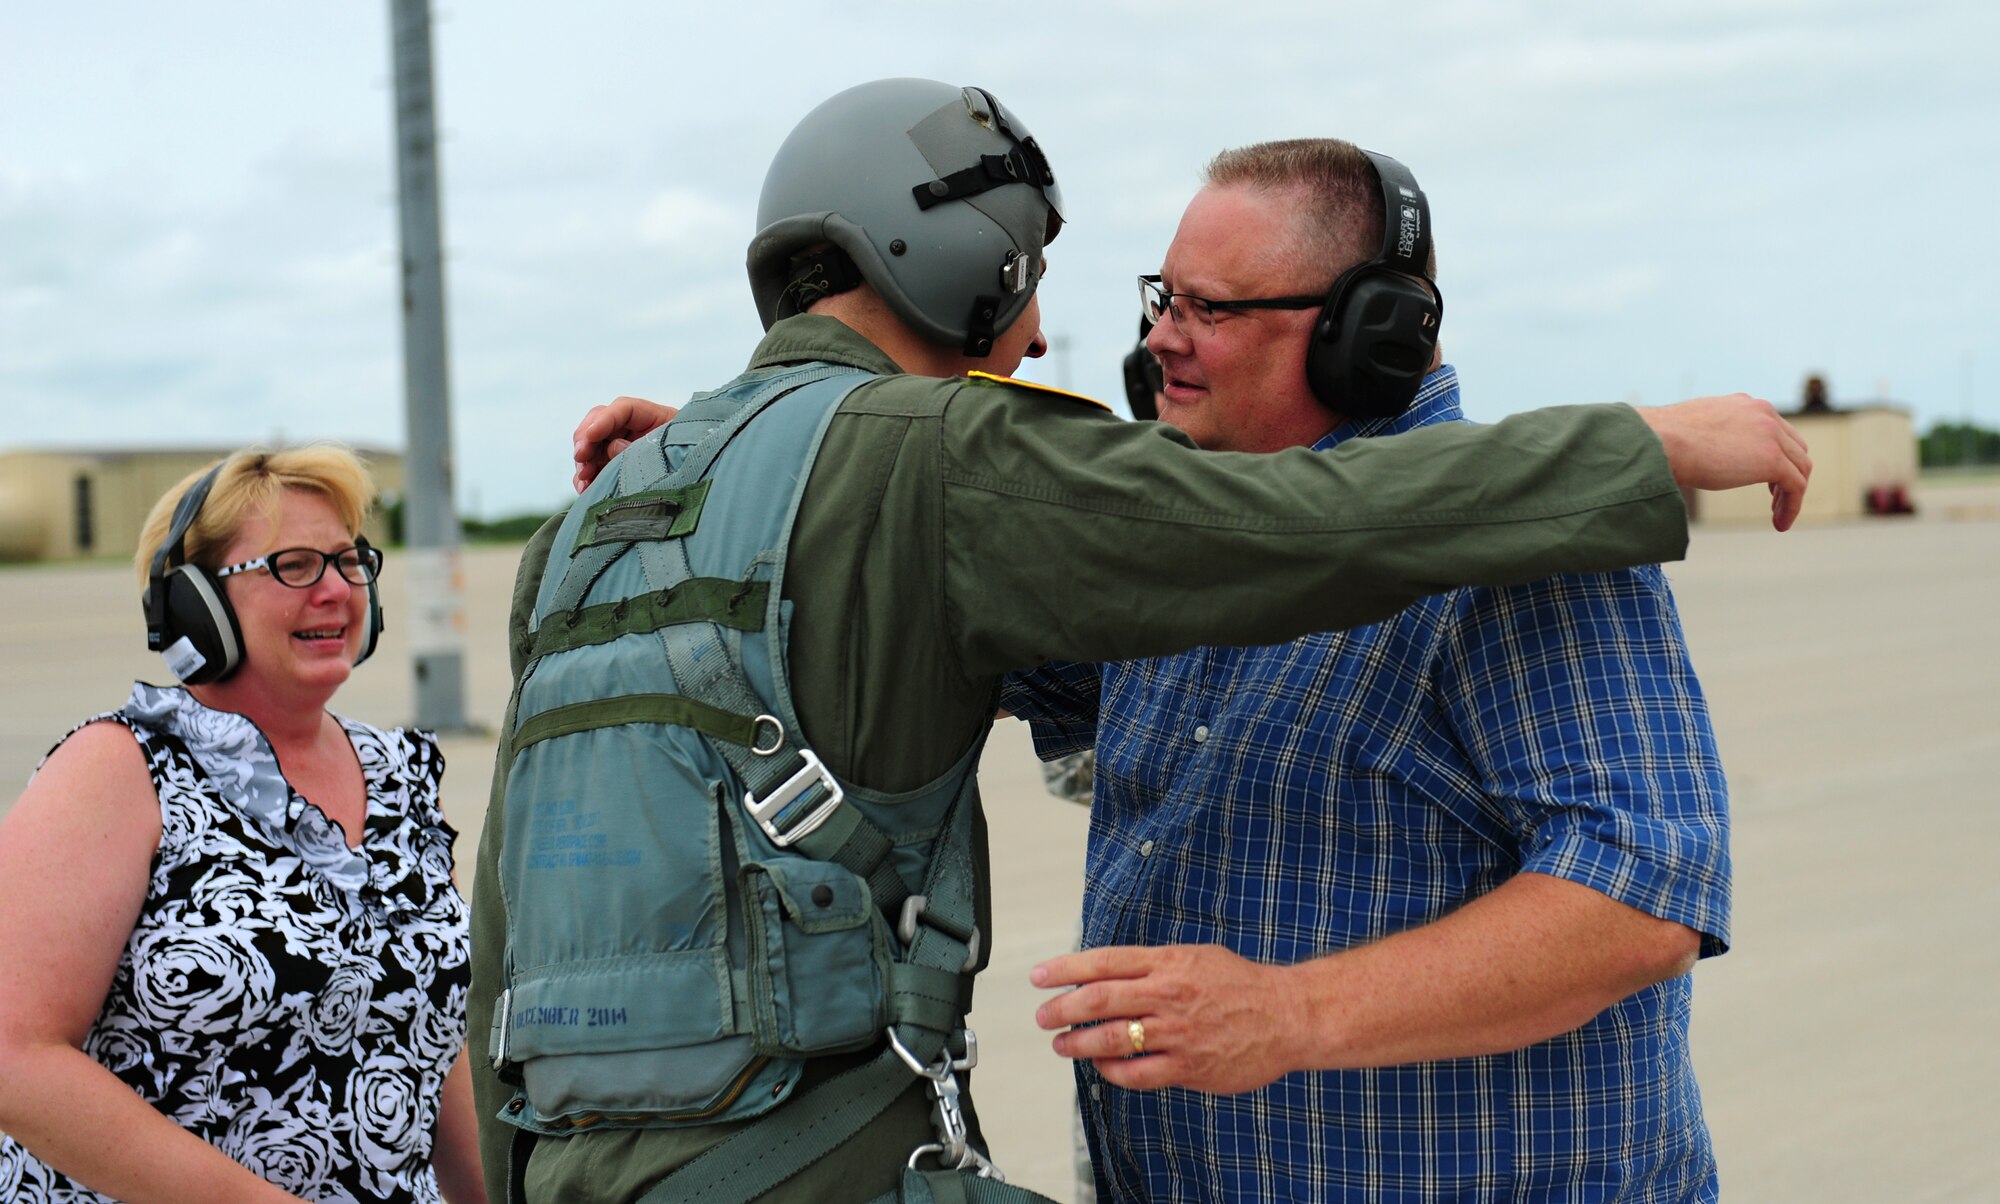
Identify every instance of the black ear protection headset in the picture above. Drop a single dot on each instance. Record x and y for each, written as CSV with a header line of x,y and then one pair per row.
x,y
1373,340
1143,377
188,616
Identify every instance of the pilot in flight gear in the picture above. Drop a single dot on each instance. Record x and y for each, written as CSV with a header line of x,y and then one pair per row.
x,y
732,881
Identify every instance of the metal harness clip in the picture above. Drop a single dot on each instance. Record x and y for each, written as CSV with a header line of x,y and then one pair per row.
x,y
953,1147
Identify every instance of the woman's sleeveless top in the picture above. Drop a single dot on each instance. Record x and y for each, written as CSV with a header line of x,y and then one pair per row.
x,y
292,1001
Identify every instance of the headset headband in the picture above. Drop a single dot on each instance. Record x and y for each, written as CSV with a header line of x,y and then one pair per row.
x,y
173,548
1377,332
1406,224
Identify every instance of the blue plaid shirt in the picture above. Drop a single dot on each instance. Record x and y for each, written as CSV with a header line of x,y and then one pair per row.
x,y
1299,799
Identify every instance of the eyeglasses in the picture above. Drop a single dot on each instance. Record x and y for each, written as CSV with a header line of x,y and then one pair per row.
x,y
301,568
1157,303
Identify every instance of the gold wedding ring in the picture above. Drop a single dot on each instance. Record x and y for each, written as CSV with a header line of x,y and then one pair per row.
x,y
1136,1031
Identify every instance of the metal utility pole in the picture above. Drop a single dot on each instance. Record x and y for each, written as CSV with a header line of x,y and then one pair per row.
x,y
1966,453
430,521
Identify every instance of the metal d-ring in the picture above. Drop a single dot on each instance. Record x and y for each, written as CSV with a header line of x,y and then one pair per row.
x,y
778,737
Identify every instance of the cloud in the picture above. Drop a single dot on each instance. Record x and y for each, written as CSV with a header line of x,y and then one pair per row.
x,y
1628,198
681,217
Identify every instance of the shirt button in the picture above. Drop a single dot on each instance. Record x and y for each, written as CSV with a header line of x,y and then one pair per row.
x,y
1145,848
1201,733
1097,1091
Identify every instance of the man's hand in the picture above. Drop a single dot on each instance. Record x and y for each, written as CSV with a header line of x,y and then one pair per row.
x,y
1726,442
1213,1021
607,430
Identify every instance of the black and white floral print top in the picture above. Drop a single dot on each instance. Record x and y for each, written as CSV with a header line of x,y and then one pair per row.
x,y
295,1002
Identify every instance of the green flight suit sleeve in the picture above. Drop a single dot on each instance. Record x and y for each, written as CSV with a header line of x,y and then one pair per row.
x,y
489,907
1074,536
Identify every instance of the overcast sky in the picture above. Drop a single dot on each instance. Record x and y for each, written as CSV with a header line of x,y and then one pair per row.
x,y
1632,202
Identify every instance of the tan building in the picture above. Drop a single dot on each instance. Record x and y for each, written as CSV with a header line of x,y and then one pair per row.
x,y
69,504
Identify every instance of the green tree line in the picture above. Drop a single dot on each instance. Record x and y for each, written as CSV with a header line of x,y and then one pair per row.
x,y
514,528
1952,443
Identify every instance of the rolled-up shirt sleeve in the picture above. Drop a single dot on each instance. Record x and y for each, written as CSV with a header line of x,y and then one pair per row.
x,y
1576,699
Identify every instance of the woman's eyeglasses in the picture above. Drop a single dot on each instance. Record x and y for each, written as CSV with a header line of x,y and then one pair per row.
x,y
301,568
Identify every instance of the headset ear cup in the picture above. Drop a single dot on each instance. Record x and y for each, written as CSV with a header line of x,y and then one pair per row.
x,y
1324,353
199,612
371,632
1372,345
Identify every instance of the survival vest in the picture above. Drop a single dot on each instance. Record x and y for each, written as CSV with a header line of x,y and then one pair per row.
x,y
695,904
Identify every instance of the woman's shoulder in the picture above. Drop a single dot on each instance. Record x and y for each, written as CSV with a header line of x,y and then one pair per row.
x,y
96,777
107,733
103,750
108,743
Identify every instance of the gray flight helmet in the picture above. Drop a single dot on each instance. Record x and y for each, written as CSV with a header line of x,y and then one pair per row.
x,y
938,196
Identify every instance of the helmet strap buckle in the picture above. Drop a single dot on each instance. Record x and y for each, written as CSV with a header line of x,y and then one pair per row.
x,y
1017,273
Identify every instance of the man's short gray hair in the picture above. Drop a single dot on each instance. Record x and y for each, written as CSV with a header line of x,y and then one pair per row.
x,y
1341,222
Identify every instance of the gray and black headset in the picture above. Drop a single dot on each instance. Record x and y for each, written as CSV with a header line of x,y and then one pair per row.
x,y
1372,343
184,602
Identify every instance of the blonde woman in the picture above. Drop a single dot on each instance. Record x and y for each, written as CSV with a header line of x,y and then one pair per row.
x,y
233,963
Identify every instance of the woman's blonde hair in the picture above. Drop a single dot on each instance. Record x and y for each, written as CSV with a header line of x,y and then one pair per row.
x,y
255,480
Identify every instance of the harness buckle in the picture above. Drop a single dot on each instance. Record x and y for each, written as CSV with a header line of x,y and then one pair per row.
x,y
917,906
790,812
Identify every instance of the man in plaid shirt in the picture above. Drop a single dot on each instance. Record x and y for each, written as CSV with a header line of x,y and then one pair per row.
x,y
1400,914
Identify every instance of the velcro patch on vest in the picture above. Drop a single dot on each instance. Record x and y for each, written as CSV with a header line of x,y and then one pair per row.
x,y
640,517
1032,387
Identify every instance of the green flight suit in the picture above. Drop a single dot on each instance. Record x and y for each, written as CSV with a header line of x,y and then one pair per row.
x,y
955,530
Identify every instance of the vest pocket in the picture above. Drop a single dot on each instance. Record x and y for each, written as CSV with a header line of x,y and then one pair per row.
x,y
819,957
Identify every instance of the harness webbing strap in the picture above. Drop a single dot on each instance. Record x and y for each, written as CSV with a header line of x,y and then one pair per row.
x,y
701,415
705,667
713,442
635,708
956,1187
929,994
748,1163
934,999
738,604
641,469
847,839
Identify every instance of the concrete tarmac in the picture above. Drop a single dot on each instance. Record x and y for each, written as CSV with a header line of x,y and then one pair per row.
x,y
1848,1045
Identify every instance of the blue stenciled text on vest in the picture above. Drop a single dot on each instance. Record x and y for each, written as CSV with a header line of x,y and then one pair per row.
x,y
562,838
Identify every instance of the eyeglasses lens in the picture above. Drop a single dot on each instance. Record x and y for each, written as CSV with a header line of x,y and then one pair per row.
x,y
1157,303
302,567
